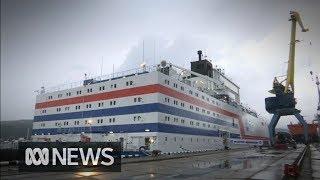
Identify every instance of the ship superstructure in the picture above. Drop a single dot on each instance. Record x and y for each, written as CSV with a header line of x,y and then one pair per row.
x,y
163,107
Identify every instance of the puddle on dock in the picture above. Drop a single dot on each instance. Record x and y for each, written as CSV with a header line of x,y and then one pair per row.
x,y
234,163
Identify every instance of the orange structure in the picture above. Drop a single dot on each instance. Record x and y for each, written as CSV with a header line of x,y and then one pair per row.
x,y
296,130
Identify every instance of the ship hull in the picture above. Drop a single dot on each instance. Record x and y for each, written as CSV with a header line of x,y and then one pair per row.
x,y
145,111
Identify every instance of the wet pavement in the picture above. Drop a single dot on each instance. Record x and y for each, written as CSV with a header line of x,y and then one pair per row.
x,y
315,161
240,164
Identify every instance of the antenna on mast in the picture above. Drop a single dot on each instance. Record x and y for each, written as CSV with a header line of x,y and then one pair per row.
x,y
101,66
143,51
154,51
112,70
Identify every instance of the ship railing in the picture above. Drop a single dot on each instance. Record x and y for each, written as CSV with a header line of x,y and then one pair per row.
x,y
97,79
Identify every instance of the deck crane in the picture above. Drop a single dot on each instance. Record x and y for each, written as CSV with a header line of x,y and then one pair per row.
x,y
283,103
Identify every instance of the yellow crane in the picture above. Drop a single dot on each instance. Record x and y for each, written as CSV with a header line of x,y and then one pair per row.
x,y
278,87
284,102
295,17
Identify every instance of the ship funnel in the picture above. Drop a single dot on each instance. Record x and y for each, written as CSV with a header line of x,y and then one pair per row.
x,y
200,55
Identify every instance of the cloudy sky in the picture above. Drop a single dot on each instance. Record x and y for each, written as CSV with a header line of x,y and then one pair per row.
x,y
47,43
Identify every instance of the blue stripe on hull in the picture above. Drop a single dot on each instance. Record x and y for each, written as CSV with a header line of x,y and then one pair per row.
x,y
145,108
133,128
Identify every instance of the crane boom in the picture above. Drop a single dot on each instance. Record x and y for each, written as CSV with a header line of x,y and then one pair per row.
x,y
290,71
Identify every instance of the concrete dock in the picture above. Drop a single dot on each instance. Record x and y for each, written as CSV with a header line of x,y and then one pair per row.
x,y
233,164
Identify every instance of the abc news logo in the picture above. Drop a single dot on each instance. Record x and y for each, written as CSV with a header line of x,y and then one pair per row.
x,y
57,156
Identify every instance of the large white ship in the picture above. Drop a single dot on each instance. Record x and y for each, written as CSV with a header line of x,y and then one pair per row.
x,y
164,107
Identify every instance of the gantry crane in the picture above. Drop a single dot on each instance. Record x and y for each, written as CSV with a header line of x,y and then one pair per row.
x,y
284,102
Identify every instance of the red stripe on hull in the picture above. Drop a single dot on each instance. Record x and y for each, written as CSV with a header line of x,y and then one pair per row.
x,y
100,96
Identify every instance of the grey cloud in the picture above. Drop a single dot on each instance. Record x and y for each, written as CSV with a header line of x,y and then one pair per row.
x,y
52,42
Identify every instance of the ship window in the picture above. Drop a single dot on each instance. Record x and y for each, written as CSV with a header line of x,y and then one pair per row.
x,y
208,112
78,92
68,94
129,83
175,139
166,138
100,104
78,107
101,88
112,120
190,92
191,107
182,104
58,109
50,97
182,121
59,95
113,85
197,109
181,138
167,81
89,90
175,85
196,94
112,103
203,110
175,119
88,105
191,122
204,125
197,124
202,97
182,88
